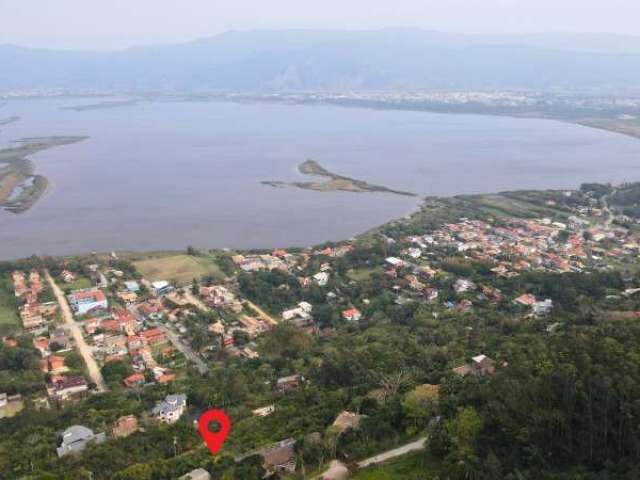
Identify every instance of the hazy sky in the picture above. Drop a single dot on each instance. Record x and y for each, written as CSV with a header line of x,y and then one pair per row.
x,y
110,24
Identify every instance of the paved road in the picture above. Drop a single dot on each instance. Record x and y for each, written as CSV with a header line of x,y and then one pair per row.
x,y
396,452
190,354
81,345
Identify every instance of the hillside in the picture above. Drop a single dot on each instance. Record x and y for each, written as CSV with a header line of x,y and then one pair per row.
x,y
293,60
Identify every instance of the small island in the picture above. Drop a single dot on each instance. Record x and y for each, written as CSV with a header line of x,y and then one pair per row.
x,y
8,120
333,182
20,186
107,104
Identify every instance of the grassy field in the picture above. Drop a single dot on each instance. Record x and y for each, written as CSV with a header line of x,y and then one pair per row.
x,y
417,466
9,320
79,283
179,268
361,274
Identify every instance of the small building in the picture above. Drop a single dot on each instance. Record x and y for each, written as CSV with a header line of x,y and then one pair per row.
x,y
197,474
67,276
134,380
321,278
264,411
67,388
480,365
289,383
170,409
280,457
125,426
154,336
76,439
352,314
161,287
132,286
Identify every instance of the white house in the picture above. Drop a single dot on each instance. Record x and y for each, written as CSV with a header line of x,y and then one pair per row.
x,y
170,409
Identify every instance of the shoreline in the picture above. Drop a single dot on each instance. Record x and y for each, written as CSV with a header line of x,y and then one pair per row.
x,y
18,170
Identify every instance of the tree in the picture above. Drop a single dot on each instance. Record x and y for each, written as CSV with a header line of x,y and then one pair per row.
x,y
421,403
139,471
463,431
74,361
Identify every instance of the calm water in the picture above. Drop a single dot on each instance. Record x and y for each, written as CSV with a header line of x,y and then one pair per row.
x,y
168,175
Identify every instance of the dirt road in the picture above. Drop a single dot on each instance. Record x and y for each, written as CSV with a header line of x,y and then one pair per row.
x,y
396,452
81,345
262,313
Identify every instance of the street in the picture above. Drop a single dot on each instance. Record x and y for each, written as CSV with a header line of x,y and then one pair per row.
x,y
81,345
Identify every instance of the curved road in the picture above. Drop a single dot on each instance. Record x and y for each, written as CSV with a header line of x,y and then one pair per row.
x,y
396,452
81,345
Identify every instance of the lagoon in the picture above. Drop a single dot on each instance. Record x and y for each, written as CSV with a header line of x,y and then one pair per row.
x,y
165,175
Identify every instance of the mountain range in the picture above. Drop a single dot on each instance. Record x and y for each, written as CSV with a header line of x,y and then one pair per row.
x,y
313,60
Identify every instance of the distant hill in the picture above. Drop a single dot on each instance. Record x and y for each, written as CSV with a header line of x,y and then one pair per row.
x,y
293,60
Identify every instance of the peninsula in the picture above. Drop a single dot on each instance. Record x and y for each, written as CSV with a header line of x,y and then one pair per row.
x,y
20,186
333,182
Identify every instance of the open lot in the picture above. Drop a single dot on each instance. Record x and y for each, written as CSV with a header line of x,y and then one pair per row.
x,y
179,268
9,320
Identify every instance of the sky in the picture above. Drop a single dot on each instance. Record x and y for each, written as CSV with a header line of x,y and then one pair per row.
x,y
117,24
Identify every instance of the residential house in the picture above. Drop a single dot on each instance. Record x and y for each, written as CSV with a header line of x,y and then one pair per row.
x,y
132,286
67,388
125,426
321,278
134,380
154,336
280,457
67,276
352,314
170,409
264,411
480,365
197,474
289,383
76,438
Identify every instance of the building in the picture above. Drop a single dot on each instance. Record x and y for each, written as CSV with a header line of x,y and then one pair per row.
x,y
264,411
281,457
76,439
197,474
153,336
352,314
84,301
291,382
125,426
170,409
67,388
321,278
132,286
480,365
134,380
161,287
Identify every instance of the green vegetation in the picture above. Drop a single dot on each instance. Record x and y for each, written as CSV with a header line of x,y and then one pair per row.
x,y
9,320
559,403
417,466
180,268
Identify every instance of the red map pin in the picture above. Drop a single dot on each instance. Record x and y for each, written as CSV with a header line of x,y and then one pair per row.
x,y
214,440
